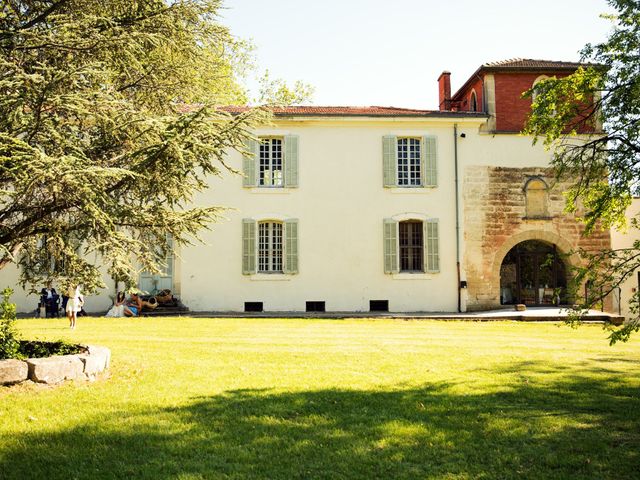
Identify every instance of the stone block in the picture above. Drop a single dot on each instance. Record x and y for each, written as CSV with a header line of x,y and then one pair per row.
x,y
93,364
55,369
101,352
13,371
485,297
96,361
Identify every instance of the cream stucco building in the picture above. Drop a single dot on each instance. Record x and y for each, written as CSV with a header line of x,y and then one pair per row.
x,y
385,209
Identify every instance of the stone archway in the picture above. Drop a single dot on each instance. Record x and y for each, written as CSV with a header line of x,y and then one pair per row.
x,y
562,245
533,273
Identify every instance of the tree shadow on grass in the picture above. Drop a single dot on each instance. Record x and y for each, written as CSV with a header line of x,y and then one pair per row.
x,y
580,427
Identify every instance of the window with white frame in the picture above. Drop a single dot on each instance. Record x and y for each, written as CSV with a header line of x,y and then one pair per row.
x,y
270,163
270,247
409,163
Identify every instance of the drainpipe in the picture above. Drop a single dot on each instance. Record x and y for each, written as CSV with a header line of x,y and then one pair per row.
x,y
455,162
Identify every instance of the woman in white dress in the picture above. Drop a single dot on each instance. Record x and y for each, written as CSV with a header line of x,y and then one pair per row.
x,y
74,304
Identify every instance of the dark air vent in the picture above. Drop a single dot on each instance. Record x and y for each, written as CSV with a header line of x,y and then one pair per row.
x,y
253,307
315,307
378,305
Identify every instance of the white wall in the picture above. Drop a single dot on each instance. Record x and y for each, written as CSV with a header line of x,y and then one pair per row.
x,y
340,205
500,150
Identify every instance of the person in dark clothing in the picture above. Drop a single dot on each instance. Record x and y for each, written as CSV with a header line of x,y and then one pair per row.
x,y
49,299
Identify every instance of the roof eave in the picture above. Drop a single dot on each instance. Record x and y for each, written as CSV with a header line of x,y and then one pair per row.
x,y
470,80
435,114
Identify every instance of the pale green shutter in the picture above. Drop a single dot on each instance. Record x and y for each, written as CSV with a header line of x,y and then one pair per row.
x,y
248,246
291,161
249,162
389,160
390,245
291,246
429,160
432,247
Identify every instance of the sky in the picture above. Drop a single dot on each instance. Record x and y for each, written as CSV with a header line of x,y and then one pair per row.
x,y
390,53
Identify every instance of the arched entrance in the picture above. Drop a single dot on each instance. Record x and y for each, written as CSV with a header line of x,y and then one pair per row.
x,y
533,273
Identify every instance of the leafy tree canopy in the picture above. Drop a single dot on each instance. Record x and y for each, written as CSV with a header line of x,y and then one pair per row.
x,y
100,157
604,164
277,92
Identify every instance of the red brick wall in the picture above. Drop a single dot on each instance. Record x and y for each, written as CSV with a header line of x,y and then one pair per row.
x,y
511,109
444,91
465,97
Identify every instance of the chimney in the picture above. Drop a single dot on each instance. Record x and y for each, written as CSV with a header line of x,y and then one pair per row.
x,y
444,90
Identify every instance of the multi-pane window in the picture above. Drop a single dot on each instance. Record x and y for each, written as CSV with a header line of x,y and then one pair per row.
x,y
409,162
270,160
270,247
410,236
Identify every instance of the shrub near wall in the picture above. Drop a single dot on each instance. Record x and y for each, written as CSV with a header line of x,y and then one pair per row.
x,y
9,338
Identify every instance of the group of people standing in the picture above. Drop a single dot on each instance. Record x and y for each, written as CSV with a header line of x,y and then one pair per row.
x,y
73,302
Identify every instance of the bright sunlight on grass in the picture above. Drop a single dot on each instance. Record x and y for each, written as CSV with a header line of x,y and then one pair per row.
x,y
191,398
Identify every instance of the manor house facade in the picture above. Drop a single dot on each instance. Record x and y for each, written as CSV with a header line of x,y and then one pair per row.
x,y
388,209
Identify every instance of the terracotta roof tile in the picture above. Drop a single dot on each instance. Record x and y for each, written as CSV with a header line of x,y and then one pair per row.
x,y
376,111
531,63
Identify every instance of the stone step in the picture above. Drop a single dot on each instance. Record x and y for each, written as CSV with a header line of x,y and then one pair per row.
x,y
166,311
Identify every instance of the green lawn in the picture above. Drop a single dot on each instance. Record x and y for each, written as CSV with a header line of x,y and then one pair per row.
x,y
289,398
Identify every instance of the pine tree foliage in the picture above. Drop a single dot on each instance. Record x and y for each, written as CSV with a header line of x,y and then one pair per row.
x,y
109,126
